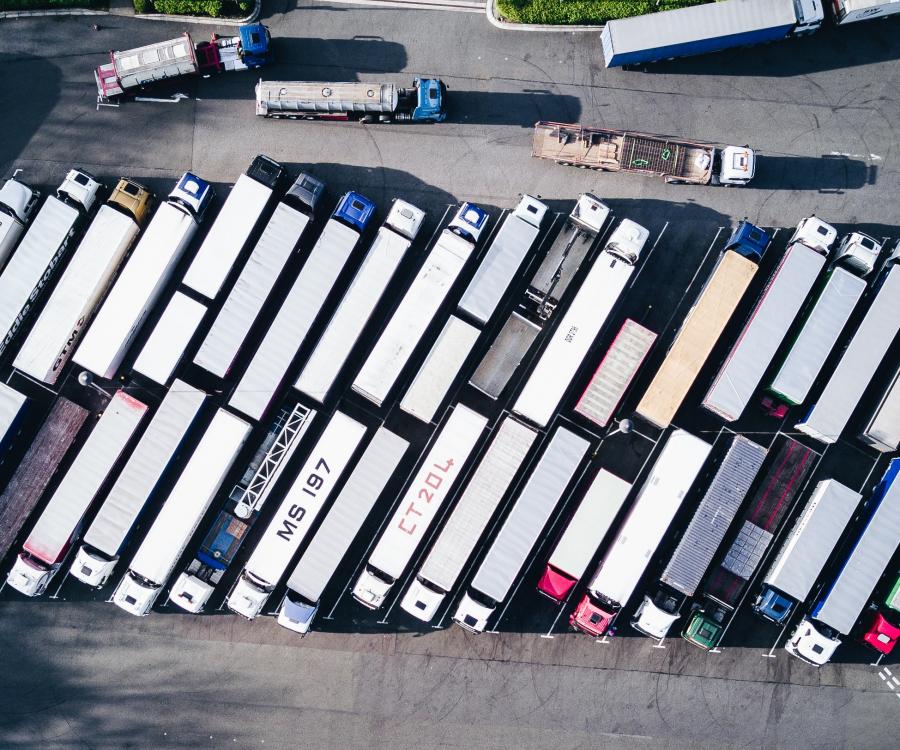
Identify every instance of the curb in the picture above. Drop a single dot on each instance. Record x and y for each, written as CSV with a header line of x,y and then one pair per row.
x,y
507,26
254,14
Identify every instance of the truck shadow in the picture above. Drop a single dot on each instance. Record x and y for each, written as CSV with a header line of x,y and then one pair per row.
x,y
826,174
22,76
522,109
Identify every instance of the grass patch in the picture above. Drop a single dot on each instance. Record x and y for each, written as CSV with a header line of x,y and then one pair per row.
x,y
51,4
214,8
582,11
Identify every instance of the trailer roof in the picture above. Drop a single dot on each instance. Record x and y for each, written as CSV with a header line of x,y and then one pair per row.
x,y
11,403
293,96
505,354
884,427
167,342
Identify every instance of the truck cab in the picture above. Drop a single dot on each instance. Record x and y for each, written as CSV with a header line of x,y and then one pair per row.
x,y
472,615
531,211
372,587
305,193
590,213
469,222
192,194
248,595
81,187
858,252
405,219
815,234
135,595
773,606
703,630
430,105
255,45
881,635
422,601
354,210
627,241
812,645
132,198
810,15
652,620
297,613
590,618
555,584
266,171
748,240
18,200
29,576
736,165
92,567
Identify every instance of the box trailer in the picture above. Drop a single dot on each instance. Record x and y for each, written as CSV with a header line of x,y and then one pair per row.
x,y
703,325
418,507
750,357
700,29
169,339
320,473
770,503
182,511
582,538
673,474
68,312
12,408
302,306
882,431
54,440
500,264
110,531
42,249
328,547
807,548
531,510
271,254
344,330
850,11
842,600
233,226
17,204
490,482
240,511
663,603
548,285
827,418
420,304
448,354
58,525
617,369
145,276
587,315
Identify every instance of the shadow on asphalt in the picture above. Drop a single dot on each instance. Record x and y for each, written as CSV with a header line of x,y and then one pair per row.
x,y
825,174
17,96
523,109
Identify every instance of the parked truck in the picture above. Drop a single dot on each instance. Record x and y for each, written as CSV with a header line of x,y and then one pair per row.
x,y
490,482
700,29
531,510
585,318
703,325
182,511
129,71
804,553
838,607
85,281
109,532
546,288
303,304
328,547
850,11
424,101
426,493
663,603
237,219
35,471
228,332
882,431
420,303
42,249
12,408
676,160
344,330
165,346
58,525
500,264
827,418
673,474
141,282
240,511
315,482
770,503
17,204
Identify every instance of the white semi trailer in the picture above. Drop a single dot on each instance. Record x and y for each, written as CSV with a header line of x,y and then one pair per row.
x,y
17,204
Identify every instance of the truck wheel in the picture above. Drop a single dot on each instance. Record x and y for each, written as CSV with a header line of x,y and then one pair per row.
x,y
366,120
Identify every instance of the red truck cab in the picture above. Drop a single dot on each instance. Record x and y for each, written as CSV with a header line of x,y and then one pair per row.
x,y
881,635
555,584
590,618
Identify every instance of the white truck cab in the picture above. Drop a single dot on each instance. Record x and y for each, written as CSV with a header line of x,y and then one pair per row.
x,y
91,567
296,614
135,595
859,252
472,615
247,599
81,187
815,234
28,578
651,620
531,210
18,198
810,15
627,241
590,213
738,165
422,601
371,589
405,219
190,593
810,645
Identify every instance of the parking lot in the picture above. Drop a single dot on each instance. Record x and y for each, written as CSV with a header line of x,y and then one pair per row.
x,y
86,674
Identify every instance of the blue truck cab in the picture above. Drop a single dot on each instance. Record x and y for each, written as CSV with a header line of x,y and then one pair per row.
x,y
430,106
256,45
468,222
773,606
748,240
192,194
354,210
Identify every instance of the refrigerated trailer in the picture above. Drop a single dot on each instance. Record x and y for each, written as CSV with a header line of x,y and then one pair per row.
x,y
109,532
34,472
781,301
297,314
490,482
673,474
663,603
58,525
807,548
240,510
68,312
850,11
431,485
244,302
582,538
42,249
12,407
17,204
170,337
235,222
585,318
827,418
882,432
344,330
182,511
316,480
328,547
703,325
140,284
531,510
839,605
769,505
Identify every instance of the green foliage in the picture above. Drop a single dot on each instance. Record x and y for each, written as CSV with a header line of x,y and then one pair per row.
x,y
142,6
214,8
582,11
50,4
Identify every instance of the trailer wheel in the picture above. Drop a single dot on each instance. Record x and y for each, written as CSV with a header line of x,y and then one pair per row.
x,y
366,119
